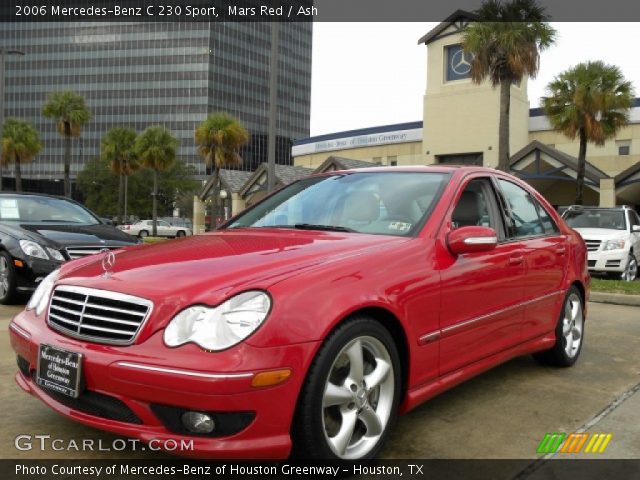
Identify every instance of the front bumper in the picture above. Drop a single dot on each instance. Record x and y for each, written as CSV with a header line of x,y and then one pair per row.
x,y
145,375
32,271
608,261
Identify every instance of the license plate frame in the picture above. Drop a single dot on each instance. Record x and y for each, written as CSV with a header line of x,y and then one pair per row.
x,y
59,370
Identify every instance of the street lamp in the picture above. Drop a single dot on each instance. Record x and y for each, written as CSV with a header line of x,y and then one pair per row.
x,y
223,196
3,53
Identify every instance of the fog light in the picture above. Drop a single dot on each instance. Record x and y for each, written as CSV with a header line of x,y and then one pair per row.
x,y
197,422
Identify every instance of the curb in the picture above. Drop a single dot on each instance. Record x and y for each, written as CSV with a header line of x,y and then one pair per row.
x,y
615,298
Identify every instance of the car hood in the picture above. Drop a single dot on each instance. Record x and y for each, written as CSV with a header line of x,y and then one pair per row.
x,y
600,233
66,235
207,268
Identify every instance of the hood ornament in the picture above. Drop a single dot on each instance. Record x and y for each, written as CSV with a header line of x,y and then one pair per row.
x,y
108,262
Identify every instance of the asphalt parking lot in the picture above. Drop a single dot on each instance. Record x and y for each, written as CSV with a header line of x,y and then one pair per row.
x,y
503,413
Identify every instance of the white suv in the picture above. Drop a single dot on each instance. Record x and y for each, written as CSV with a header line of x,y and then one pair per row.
x,y
612,236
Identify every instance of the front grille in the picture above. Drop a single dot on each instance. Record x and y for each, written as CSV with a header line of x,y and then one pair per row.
x,y
97,315
593,245
79,252
95,404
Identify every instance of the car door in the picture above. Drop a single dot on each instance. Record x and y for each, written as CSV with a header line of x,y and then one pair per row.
x,y
634,221
545,258
481,310
164,229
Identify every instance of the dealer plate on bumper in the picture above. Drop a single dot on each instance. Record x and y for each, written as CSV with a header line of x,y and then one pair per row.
x,y
59,370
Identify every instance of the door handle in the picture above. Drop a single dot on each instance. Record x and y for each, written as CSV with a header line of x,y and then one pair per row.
x,y
516,259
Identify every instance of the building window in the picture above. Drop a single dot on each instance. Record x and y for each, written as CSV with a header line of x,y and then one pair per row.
x,y
392,160
457,63
623,146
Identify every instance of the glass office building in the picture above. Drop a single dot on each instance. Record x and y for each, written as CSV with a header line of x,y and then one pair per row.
x,y
142,74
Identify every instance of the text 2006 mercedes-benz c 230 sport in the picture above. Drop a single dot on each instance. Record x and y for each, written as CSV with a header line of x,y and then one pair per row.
x,y
310,321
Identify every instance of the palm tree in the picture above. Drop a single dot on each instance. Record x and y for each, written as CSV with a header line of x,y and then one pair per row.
x,y
70,113
117,150
590,101
219,139
20,143
506,42
155,148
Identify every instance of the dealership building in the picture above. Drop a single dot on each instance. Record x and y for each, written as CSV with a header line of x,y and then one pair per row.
x,y
140,74
460,126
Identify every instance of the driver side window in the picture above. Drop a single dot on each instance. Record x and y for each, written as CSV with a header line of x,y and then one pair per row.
x,y
523,214
473,208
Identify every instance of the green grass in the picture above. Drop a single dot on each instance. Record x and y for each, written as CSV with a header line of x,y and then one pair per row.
x,y
615,286
155,239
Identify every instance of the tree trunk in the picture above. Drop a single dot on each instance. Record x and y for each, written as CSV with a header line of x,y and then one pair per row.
x,y
67,159
18,175
155,203
120,194
582,161
503,128
126,188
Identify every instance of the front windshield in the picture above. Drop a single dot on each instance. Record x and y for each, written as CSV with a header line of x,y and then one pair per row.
x,y
609,219
384,203
32,209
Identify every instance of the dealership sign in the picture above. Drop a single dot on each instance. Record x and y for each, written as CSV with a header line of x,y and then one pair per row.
x,y
382,138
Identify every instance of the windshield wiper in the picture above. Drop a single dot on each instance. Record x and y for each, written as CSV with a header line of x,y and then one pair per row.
x,y
329,228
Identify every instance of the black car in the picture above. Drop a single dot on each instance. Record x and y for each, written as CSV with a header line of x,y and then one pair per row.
x,y
39,232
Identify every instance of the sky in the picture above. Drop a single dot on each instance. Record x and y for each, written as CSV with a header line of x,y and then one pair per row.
x,y
370,74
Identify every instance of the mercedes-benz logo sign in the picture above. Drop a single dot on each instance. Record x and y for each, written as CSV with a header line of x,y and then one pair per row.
x,y
108,261
460,64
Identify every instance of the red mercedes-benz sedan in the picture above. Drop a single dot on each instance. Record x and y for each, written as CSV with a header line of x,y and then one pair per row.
x,y
311,320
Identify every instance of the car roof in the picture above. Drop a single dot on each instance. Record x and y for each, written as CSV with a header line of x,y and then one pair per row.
x,y
418,169
32,194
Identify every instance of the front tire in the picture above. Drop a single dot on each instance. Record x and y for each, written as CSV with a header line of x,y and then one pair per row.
x,y
143,234
350,398
180,233
8,288
569,333
631,269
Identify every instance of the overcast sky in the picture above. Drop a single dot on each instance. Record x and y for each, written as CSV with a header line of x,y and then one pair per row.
x,y
369,74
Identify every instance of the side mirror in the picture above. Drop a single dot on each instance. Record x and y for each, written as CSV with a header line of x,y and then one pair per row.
x,y
471,239
635,229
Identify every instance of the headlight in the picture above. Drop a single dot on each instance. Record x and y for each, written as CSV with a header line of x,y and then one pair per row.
x,y
222,326
55,254
33,249
613,245
40,298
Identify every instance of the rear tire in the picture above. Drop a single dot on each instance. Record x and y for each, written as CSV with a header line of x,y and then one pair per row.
x,y
350,397
8,287
180,233
143,234
569,333
631,269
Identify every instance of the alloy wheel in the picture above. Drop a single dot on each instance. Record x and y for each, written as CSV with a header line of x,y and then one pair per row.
x,y
572,325
4,277
631,271
358,397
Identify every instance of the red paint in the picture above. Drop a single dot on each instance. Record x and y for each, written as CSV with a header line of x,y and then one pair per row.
x,y
460,314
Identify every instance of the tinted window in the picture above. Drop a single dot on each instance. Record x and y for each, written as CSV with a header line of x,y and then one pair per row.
x,y
595,218
523,215
385,203
547,222
32,209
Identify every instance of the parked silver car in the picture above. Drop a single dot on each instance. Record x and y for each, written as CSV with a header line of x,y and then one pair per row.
x,y
144,228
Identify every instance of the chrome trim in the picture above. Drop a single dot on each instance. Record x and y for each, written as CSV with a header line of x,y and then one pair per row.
x,y
80,251
480,240
429,337
20,331
87,292
498,312
188,373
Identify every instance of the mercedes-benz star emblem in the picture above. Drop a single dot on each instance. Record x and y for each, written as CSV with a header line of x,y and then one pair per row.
x,y
108,261
460,63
